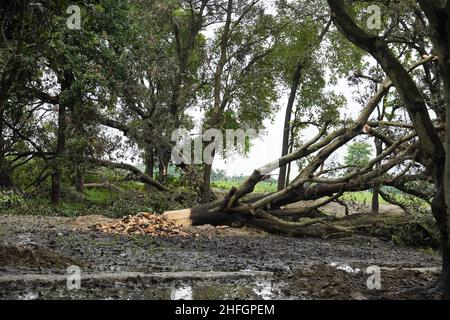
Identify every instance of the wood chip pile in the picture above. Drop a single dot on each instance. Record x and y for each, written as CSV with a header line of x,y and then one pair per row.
x,y
143,223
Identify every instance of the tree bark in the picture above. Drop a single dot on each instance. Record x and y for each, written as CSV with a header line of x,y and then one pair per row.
x,y
79,178
206,184
216,114
60,146
5,174
433,153
149,166
283,178
287,123
125,166
376,195
5,171
162,170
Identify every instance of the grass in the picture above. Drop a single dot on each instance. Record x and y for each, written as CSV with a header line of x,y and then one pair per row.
x,y
363,197
104,196
99,196
261,187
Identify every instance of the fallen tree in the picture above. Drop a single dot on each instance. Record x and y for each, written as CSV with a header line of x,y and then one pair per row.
x,y
135,171
268,212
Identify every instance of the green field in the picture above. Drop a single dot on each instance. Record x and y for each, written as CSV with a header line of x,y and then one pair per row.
x,y
261,187
361,197
358,197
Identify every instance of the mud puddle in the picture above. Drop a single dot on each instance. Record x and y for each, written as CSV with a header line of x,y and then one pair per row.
x,y
137,288
302,268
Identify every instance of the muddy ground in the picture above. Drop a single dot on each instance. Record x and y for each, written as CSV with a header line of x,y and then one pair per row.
x,y
218,263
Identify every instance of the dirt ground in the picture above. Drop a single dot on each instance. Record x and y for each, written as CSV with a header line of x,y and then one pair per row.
x,y
297,268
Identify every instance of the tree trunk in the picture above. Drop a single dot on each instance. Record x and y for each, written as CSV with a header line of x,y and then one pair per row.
x,y
296,79
60,146
135,171
435,155
56,187
162,172
444,224
375,201
375,194
444,278
441,38
205,189
439,211
5,172
55,194
79,178
206,184
314,225
149,165
287,124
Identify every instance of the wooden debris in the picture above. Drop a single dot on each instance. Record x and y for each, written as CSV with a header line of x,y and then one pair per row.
x,y
144,223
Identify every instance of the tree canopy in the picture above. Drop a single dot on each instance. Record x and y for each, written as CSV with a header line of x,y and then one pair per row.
x,y
110,93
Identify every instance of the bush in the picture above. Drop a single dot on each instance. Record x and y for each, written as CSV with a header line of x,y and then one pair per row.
x,y
9,199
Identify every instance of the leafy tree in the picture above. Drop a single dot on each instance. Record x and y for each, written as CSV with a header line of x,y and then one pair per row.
x,y
358,154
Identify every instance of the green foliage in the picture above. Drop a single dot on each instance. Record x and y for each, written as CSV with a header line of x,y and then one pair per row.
x,y
362,197
262,187
143,64
97,201
9,199
358,154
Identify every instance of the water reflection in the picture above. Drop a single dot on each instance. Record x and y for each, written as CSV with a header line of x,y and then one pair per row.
x,y
264,289
183,292
28,296
260,289
345,268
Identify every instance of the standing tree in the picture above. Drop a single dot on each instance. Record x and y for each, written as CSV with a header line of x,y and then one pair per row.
x,y
432,150
242,77
413,146
358,155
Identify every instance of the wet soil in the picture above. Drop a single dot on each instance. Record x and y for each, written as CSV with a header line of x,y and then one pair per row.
x,y
303,268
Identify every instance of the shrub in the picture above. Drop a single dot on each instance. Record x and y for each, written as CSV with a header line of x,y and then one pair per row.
x,y
9,199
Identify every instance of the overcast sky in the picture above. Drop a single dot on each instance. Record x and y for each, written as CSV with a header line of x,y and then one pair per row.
x,y
267,148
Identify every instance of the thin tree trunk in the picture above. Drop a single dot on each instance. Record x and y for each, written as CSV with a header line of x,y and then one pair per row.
x,y
55,193
5,173
162,171
149,165
445,225
283,178
435,154
375,194
215,118
79,178
287,124
441,42
444,278
206,184
60,146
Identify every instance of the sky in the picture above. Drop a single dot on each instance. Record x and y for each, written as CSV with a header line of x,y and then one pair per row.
x,y
267,147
